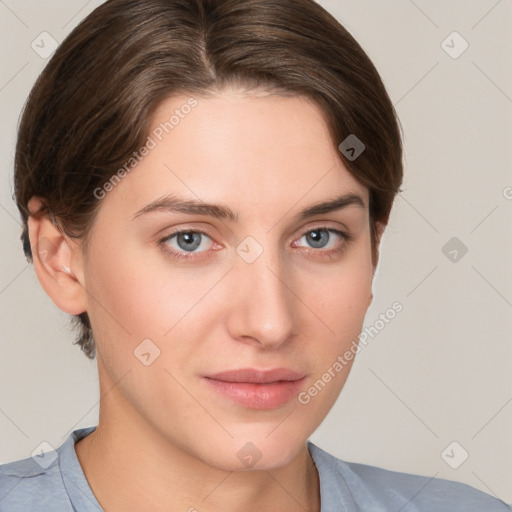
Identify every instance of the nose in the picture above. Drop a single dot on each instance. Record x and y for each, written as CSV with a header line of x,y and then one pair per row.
x,y
263,303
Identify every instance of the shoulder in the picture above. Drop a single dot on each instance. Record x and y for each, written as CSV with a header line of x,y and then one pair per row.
x,y
374,488
31,484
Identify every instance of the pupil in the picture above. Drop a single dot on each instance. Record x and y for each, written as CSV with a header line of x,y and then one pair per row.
x,y
317,238
190,241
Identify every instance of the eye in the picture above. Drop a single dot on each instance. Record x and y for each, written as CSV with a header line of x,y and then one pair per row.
x,y
193,244
318,238
185,243
324,241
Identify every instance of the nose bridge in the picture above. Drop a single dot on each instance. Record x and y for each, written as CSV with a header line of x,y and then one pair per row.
x,y
264,309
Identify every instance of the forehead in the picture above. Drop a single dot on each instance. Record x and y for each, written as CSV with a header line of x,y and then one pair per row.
x,y
252,151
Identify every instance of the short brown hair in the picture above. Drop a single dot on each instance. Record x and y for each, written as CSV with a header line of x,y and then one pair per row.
x,y
92,105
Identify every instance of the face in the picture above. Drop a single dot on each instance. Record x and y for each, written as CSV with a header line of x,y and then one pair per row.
x,y
176,296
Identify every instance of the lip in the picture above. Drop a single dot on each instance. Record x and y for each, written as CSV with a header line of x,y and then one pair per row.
x,y
257,389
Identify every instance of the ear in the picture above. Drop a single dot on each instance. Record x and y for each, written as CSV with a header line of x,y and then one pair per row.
x,y
57,262
380,227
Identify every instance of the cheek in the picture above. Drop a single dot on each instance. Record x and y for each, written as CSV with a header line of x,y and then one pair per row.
x,y
135,293
124,297
133,298
340,304
343,293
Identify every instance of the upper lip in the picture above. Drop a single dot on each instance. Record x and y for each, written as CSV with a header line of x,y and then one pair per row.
x,y
257,376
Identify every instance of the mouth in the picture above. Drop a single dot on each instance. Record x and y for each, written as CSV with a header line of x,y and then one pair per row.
x,y
257,389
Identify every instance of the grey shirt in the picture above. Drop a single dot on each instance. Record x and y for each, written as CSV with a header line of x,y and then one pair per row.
x,y
55,482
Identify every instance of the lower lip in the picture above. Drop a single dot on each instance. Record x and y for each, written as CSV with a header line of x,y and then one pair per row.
x,y
258,396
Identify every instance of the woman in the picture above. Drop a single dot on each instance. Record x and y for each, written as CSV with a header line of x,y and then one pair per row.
x,y
204,185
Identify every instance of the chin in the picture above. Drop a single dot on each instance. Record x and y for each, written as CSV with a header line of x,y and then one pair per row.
x,y
252,452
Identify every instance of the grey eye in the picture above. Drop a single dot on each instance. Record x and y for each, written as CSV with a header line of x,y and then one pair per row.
x,y
188,241
318,238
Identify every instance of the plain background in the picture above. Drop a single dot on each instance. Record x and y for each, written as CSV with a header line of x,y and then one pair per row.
x,y
439,372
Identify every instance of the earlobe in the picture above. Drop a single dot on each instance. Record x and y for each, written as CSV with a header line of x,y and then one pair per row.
x,y
51,256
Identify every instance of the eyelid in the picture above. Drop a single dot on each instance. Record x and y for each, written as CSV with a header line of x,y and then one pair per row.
x,y
189,230
327,225
311,227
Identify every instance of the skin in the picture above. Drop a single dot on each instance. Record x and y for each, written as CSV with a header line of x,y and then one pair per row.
x,y
165,440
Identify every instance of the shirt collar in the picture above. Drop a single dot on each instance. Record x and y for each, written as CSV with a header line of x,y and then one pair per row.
x,y
335,495
77,487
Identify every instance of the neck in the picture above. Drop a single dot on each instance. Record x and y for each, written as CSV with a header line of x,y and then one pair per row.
x,y
130,466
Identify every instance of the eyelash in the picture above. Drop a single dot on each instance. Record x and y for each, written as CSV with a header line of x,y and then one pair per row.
x,y
331,254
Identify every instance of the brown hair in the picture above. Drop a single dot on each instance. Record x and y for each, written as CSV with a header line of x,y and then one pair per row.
x,y
92,105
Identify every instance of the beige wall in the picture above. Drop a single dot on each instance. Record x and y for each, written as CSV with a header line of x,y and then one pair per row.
x,y
439,371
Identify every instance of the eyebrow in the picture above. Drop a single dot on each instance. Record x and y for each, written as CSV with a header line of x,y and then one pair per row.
x,y
172,203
